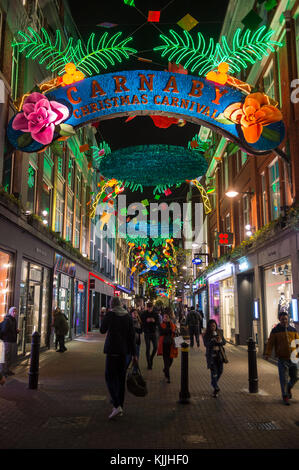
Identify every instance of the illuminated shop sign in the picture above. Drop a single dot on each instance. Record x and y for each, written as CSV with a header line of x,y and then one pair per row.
x,y
140,92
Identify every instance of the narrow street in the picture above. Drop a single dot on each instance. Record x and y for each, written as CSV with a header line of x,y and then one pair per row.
x,y
70,408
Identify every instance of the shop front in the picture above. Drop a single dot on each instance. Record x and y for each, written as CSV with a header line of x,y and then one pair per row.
x,y
278,291
100,294
79,320
6,271
34,308
63,289
222,299
125,295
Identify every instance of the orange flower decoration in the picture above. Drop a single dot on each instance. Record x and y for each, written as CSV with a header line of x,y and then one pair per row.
x,y
72,75
255,113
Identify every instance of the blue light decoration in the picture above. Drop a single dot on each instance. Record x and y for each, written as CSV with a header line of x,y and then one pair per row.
x,y
150,92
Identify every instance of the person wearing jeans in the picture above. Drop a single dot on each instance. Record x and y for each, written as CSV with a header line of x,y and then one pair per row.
x,y
166,346
119,343
282,339
213,340
9,337
150,324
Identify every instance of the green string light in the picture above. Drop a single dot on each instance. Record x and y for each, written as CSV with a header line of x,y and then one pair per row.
x,y
88,60
246,48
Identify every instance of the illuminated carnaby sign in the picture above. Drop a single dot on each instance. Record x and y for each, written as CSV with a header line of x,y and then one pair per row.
x,y
140,92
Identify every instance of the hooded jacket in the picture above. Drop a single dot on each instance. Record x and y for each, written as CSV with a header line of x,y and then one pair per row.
x,y
120,339
9,329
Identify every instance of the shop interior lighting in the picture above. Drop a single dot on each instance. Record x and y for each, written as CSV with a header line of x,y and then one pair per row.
x,y
295,309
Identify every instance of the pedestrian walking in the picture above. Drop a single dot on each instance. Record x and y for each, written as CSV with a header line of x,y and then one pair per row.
x,y
61,329
166,347
214,341
102,314
138,330
150,325
119,343
281,338
193,321
9,333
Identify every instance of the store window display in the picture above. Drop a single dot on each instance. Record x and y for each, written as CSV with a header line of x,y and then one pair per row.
x,y
278,292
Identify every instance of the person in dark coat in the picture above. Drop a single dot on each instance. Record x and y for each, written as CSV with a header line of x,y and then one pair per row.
x,y
138,330
166,347
150,324
9,337
212,341
193,322
61,329
120,341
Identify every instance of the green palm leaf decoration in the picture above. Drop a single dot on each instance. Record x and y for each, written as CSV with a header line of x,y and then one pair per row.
x,y
246,48
101,54
184,51
40,47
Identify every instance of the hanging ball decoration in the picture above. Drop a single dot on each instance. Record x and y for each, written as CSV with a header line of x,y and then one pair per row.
x,y
152,165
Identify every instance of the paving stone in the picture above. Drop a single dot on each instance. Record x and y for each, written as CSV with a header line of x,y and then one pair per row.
x,y
72,397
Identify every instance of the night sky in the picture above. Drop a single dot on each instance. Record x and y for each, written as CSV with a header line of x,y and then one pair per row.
x,y
133,22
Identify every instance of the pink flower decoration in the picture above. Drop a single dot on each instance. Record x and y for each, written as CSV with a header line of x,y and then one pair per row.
x,y
39,117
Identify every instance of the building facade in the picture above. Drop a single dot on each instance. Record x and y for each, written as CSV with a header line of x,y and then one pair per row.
x,y
51,251
252,280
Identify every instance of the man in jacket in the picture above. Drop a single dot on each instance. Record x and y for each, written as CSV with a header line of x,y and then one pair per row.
x,y
150,325
194,323
61,329
282,339
120,341
9,334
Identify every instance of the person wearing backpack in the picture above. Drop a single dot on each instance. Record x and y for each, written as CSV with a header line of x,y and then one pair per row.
x,y
61,329
9,332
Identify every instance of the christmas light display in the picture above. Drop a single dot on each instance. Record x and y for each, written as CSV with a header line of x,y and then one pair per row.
x,y
247,47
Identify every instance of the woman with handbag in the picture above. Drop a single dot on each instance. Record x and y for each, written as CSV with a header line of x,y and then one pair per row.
x,y
166,346
215,354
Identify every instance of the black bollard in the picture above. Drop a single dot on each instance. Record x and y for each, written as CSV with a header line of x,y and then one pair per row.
x,y
34,361
252,367
184,393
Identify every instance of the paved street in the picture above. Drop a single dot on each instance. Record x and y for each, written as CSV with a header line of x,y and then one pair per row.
x,y
71,407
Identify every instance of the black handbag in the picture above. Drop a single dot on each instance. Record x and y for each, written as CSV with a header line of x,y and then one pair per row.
x,y
222,355
136,383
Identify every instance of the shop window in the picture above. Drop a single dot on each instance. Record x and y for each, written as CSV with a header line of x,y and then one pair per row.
x,y
34,305
5,279
274,190
268,82
264,199
278,292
